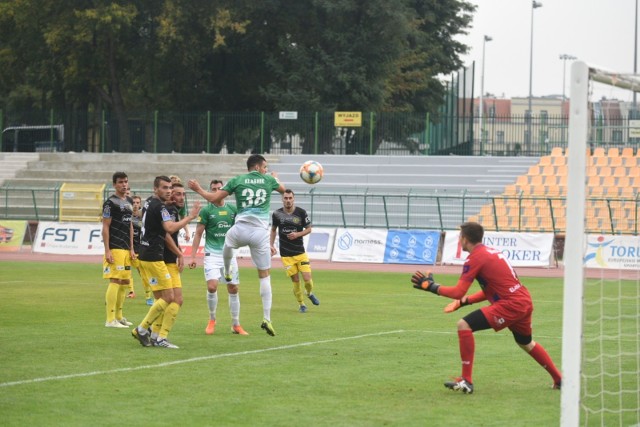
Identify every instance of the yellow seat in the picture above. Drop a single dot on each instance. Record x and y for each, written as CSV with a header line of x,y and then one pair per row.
x,y
556,151
598,152
534,170
599,161
620,171
613,152
614,162
559,161
627,152
545,161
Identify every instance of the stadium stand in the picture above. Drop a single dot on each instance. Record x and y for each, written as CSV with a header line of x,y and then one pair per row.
x,y
613,185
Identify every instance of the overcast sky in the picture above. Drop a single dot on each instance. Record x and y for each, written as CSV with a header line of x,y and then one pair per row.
x,y
598,32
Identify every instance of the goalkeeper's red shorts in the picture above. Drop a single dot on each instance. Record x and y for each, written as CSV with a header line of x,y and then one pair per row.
x,y
512,314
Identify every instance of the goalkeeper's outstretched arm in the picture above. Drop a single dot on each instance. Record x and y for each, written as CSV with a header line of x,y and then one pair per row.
x,y
426,282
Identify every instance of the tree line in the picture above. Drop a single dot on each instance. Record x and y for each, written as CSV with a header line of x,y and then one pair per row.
x,y
228,55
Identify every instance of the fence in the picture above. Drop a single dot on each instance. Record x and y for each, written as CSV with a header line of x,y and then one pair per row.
x,y
381,133
401,211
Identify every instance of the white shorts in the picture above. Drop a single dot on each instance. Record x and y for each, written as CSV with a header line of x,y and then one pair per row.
x,y
257,238
214,269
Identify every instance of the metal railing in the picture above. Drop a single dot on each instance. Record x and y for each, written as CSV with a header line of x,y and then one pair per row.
x,y
401,211
380,133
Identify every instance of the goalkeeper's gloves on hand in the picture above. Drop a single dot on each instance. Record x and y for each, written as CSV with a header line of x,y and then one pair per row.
x,y
424,282
453,306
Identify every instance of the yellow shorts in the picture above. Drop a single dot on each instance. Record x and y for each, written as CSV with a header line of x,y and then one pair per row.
x,y
176,280
135,262
156,275
294,264
120,268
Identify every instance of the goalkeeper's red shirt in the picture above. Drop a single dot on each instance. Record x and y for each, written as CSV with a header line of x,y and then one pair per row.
x,y
494,274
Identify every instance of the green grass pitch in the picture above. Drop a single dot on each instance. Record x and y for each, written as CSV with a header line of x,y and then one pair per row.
x,y
375,352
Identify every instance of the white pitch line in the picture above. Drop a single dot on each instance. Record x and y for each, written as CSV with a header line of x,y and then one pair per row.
x,y
194,359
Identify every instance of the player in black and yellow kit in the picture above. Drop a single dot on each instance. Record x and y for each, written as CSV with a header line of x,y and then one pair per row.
x,y
157,224
136,220
117,235
293,224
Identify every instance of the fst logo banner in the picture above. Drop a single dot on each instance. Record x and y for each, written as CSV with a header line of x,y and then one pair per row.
x,y
411,247
69,238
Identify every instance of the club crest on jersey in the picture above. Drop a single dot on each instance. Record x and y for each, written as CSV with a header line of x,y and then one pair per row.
x,y
153,281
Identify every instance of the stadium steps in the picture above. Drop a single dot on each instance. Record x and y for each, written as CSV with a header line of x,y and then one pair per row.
x,y
13,163
347,178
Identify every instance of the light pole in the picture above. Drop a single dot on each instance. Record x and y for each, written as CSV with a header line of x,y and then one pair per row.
x,y
635,56
534,5
565,57
481,112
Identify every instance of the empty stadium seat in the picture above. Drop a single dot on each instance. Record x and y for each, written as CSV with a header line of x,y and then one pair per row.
x,y
627,152
556,151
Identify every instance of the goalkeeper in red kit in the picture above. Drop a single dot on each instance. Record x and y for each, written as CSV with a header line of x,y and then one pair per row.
x,y
510,304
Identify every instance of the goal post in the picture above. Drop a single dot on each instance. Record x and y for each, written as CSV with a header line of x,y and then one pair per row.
x,y
601,316
574,245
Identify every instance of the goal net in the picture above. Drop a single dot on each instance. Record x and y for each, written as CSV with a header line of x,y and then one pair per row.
x,y
601,303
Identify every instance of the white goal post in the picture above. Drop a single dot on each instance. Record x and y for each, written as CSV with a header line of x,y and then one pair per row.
x,y
574,300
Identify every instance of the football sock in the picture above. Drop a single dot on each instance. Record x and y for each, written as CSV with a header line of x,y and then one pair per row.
x,y
122,294
297,291
156,310
265,294
111,299
467,349
309,287
234,308
227,254
170,315
212,303
157,325
542,357
148,293
131,284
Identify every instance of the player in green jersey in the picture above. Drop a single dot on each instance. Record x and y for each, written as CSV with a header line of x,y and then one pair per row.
x,y
214,221
253,200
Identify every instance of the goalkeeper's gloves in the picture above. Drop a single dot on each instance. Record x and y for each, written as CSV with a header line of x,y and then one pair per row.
x,y
424,282
453,306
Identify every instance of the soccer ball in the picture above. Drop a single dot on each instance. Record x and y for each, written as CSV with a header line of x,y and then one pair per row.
x,y
311,172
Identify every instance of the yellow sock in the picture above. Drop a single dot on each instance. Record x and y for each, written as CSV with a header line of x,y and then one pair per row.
x,y
170,315
147,290
122,293
111,299
309,286
131,284
155,311
157,325
297,291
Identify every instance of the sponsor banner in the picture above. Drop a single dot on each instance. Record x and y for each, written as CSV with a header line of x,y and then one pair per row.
x,y
318,243
616,252
411,247
521,249
69,238
12,235
359,245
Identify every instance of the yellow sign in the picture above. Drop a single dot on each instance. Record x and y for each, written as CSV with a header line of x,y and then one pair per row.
x,y
347,119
